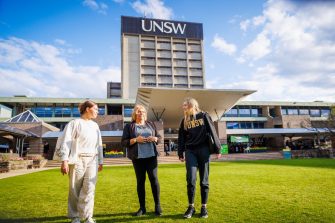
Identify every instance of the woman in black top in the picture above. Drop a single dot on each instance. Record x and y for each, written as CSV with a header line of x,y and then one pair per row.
x,y
193,142
141,137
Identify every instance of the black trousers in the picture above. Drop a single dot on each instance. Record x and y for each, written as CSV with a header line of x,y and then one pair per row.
x,y
197,159
141,167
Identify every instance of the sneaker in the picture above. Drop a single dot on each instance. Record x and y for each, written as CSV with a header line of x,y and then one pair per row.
x,y
140,212
75,220
158,210
90,220
189,212
204,212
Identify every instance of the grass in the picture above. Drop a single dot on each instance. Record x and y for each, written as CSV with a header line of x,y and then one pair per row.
x,y
244,191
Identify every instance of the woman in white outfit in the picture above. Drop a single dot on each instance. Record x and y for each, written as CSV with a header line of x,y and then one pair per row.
x,y
81,155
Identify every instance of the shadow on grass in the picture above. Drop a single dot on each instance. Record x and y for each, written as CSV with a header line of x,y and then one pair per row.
x,y
101,218
128,217
310,162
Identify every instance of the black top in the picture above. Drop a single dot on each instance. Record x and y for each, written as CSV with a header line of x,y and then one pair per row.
x,y
195,135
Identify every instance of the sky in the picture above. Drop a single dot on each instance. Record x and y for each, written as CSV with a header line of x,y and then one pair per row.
x,y
284,49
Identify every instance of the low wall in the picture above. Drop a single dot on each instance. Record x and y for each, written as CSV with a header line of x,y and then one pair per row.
x,y
313,153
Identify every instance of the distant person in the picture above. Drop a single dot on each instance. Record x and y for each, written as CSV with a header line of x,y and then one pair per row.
x,y
166,149
141,138
193,141
81,153
46,148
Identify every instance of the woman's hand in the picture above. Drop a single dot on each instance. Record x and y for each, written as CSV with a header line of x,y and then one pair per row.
x,y
64,169
152,139
141,139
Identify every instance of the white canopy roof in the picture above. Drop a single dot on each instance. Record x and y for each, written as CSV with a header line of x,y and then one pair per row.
x,y
165,103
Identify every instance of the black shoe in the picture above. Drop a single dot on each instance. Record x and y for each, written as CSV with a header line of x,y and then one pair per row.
x,y
140,212
204,212
189,212
158,210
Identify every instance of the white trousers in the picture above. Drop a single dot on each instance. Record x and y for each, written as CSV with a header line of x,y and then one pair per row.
x,y
82,181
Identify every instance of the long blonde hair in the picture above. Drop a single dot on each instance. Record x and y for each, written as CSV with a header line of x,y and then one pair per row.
x,y
192,111
137,107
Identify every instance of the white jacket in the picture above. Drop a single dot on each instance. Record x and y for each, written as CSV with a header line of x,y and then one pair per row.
x,y
79,136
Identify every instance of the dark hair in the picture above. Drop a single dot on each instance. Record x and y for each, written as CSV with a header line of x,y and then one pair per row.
x,y
86,104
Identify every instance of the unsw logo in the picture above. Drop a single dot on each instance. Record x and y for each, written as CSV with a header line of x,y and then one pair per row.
x,y
163,26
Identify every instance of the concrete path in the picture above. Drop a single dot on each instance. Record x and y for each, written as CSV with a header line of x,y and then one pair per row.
x,y
13,173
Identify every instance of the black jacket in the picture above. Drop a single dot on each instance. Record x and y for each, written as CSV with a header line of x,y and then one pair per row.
x,y
129,133
196,134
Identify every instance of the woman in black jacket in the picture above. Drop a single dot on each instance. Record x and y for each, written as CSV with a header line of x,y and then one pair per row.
x,y
193,141
141,139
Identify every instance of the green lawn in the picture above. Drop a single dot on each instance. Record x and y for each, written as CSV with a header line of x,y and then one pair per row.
x,y
245,191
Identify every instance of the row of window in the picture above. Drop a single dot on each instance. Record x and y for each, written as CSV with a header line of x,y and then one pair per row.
x,y
62,112
313,112
245,125
238,111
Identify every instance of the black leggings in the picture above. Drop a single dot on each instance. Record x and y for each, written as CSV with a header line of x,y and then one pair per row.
x,y
141,167
197,159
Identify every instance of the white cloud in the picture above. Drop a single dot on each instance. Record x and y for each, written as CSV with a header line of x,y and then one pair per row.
x,y
244,24
272,86
257,49
153,8
221,45
94,5
296,40
34,69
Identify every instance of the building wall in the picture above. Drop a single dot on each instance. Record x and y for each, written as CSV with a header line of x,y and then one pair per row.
x,y
296,121
130,65
110,122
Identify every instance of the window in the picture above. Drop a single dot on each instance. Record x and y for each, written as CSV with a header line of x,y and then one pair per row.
x,y
256,112
284,111
246,125
232,125
75,112
292,111
303,111
315,113
244,112
42,111
101,110
127,111
258,125
325,112
231,113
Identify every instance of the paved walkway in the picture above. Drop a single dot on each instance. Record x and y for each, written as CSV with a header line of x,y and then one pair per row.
x,y
161,159
14,173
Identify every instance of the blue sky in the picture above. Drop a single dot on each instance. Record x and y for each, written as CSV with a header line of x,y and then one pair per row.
x,y
60,48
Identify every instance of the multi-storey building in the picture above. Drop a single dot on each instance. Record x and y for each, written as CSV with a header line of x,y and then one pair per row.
x,y
160,53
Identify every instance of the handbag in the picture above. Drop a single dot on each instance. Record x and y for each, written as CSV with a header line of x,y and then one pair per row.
x,y
211,144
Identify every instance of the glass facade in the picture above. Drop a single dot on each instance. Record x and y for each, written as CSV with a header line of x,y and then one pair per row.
x,y
127,111
42,111
244,111
245,125
101,111
312,111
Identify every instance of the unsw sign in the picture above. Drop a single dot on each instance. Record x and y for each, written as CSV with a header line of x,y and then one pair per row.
x,y
134,25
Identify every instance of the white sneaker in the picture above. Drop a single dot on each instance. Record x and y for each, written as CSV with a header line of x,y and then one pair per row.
x,y
90,220
75,220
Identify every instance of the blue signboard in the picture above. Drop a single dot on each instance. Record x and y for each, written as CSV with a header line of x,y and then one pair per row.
x,y
135,25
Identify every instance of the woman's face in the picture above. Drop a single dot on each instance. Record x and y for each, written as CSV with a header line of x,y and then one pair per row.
x,y
185,107
92,112
140,114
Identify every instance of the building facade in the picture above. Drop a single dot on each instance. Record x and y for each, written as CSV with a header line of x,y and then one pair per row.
x,y
160,53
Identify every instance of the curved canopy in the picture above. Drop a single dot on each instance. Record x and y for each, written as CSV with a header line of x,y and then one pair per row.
x,y
165,103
